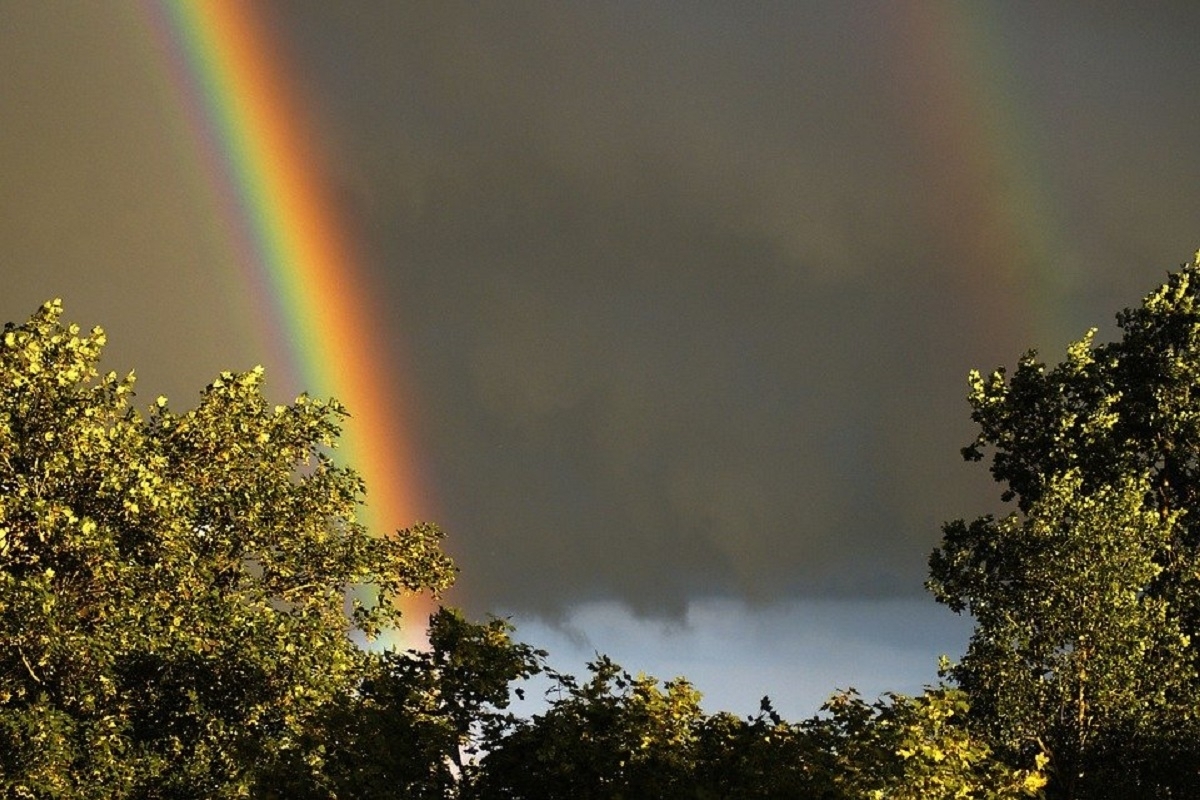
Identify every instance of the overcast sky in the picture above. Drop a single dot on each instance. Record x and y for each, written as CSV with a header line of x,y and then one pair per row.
x,y
687,292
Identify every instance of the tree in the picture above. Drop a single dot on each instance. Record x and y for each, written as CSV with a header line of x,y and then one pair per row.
x,y
763,756
614,736
180,594
415,727
621,736
173,586
913,748
1087,596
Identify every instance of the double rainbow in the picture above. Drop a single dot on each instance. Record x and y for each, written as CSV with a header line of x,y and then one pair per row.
x,y
264,161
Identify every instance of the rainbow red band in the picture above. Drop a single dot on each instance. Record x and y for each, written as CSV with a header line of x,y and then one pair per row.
x,y
248,118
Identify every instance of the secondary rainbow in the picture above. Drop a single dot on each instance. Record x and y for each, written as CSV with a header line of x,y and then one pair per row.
x,y
991,195
256,140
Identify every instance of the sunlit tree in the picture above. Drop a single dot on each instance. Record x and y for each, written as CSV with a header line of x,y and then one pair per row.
x,y
173,586
1087,596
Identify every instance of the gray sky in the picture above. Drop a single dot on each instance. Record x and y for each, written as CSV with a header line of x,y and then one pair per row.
x,y
687,292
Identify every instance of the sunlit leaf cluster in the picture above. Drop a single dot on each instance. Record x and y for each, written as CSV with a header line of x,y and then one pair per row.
x,y
173,586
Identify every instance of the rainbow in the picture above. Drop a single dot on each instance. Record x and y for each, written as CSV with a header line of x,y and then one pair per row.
x,y
262,155
990,193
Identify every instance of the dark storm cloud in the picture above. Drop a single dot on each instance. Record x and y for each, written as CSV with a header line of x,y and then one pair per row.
x,y
680,326
649,273
679,317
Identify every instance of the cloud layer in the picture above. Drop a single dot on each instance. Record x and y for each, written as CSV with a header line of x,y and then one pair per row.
x,y
687,295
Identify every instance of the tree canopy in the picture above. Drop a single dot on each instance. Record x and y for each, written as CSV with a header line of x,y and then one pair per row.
x,y
181,593
1086,596
173,585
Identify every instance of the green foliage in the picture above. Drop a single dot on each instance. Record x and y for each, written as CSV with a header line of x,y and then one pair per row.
x,y
415,727
620,736
173,586
915,748
761,757
614,736
1086,598
1070,650
179,591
